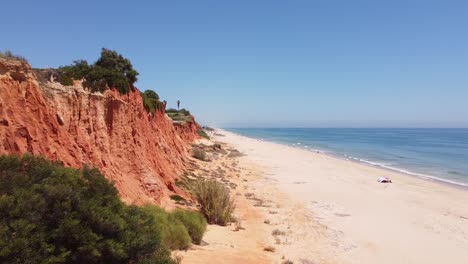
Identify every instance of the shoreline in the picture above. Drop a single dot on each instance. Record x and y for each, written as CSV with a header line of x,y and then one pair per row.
x,y
425,177
333,210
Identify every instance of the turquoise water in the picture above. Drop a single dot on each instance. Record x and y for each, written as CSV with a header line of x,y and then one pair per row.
x,y
440,154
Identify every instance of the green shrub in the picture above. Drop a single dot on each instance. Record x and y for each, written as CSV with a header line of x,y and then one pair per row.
x,y
194,222
174,234
53,214
199,153
178,236
215,202
202,133
151,101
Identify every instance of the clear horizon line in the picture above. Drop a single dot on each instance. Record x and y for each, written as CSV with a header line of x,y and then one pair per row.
x,y
325,127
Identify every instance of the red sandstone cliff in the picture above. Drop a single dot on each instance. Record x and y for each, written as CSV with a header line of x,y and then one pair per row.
x,y
142,154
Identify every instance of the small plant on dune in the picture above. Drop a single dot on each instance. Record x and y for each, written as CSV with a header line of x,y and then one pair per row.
x,y
215,201
199,153
194,222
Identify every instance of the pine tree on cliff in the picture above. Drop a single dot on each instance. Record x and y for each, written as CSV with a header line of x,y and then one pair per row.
x,y
178,104
111,70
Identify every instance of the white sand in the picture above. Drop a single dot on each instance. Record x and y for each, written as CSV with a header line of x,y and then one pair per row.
x,y
337,212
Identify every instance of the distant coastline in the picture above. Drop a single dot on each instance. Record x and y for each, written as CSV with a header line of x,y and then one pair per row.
x,y
344,156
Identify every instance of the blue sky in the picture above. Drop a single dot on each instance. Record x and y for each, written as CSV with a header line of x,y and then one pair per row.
x,y
272,63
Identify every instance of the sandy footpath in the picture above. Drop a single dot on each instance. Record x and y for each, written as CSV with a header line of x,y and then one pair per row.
x,y
328,210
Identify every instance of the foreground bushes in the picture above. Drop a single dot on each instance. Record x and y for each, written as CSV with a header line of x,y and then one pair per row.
x,y
215,202
53,214
194,222
179,228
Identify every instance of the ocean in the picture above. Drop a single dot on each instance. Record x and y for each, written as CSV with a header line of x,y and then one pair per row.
x,y
438,154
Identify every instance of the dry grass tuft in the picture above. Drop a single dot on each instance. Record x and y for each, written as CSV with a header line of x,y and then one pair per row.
x,y
215,201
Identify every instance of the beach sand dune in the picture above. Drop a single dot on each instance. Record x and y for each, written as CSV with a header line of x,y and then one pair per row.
x,y
329,210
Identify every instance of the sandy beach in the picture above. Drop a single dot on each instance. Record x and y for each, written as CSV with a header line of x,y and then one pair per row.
x,y
321,209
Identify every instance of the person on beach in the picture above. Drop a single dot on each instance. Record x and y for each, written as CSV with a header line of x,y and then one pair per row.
x,y
384,180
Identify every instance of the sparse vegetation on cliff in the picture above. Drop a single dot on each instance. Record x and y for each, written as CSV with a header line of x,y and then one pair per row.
x,y
9,55
51,213
202,133
111,70
182,115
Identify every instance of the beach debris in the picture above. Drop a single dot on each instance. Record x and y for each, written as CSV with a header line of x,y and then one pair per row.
x,y
384,180
306,261
342,215
278,232
277,241
238,224
249,195
299,182
269,249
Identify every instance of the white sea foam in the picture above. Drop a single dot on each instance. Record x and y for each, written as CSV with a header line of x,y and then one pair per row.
x,y
405,171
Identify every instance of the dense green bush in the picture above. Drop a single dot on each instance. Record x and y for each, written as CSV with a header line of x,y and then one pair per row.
x,y
179,228
215,201
194,222
53,214
110,70
151,101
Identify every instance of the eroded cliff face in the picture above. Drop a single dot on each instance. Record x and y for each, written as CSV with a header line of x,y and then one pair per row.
x,y
142,154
